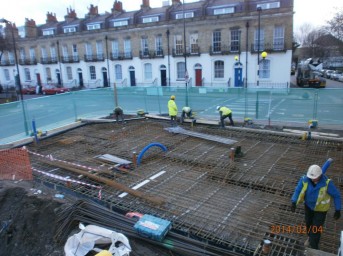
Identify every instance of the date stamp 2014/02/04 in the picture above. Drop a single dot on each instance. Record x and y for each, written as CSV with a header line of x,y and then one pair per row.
x,y
297,229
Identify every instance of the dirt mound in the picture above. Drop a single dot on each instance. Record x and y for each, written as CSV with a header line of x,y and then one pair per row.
x,y
28,213
27,224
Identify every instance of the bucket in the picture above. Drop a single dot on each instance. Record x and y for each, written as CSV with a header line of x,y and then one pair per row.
x,y
267,244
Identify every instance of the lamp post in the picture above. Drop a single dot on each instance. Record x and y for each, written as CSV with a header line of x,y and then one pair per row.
x,y
18,75
59,62
184,50
259,10
168,34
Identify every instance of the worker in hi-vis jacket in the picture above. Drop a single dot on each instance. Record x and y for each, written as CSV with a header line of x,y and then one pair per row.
x,y
316,191
225,112
172,108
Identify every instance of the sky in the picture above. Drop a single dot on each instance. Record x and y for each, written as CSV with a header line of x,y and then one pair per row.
x,y
314,12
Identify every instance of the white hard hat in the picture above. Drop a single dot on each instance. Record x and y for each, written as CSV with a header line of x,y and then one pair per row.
x,y
314,171
218,107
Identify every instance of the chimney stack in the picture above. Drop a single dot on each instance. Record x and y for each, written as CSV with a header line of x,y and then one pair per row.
x,y
117,7
71,15
145,4
30,28
176,2
51,17
93,11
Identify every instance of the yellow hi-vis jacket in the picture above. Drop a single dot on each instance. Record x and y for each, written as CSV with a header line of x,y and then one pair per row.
x,y
172,108
323,199
225,111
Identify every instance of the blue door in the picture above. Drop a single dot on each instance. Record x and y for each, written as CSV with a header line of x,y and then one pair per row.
x,y
238,77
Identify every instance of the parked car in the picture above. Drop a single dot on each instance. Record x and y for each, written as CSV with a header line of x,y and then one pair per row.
x,y
50,89
336,74
340,78
328,73
28,89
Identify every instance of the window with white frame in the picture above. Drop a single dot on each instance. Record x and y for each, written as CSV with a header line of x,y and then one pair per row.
x,y
261,43
53,53
75,52
69,30
115,49
89,52
180,66
147,71
93,26
48,32
27,74
65,52
179,16
69,73
7,74
32,54
99,50
158,45
226,10
270,5
144,46
120,23
219,69
194,43
22,53
279,38
235,40
48,74
217,41
178,45
264,69
11,57
150,19
43,52
118,72
127,48
92,72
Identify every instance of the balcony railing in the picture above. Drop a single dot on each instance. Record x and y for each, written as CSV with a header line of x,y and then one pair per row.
x,y
48,60
270,47
7,63
180,53
224,49
151,54
70,59
28,61
121,55
94,57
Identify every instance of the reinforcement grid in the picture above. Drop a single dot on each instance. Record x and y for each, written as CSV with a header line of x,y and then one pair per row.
x,y
234,203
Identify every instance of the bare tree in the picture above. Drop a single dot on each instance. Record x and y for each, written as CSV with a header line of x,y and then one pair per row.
x,y
335,25
301,33
5,44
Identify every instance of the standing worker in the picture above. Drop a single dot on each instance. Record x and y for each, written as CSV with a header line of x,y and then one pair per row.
x,y
172,108
186,111
225,112
118,112
316,191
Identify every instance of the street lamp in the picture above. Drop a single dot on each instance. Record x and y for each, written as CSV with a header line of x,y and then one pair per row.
x,y
259,9
168,34
184,51
18,75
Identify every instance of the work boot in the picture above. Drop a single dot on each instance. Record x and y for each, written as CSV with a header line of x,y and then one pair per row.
x,y
307,242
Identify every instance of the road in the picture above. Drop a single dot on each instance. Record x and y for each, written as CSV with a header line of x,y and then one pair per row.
x,y
263,105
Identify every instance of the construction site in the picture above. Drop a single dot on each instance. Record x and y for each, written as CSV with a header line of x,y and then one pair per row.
x,y
225,191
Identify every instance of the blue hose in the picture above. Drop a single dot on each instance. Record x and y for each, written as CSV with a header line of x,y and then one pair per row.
x,y
326,165
155,144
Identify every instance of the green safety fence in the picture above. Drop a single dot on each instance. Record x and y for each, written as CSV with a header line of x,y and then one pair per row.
x,y
269,106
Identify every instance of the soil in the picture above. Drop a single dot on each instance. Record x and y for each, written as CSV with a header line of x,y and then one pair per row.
x,y
28,213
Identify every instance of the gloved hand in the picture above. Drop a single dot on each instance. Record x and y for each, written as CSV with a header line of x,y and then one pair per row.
x,y
294,205
337,215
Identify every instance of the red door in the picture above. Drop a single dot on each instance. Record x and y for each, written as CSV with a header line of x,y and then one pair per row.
x,y
198,77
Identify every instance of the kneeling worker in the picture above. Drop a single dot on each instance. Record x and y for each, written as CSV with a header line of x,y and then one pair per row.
x,y
225,112
186,111
118,112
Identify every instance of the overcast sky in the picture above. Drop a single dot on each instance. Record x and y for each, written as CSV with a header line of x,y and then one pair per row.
x,y
306,11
